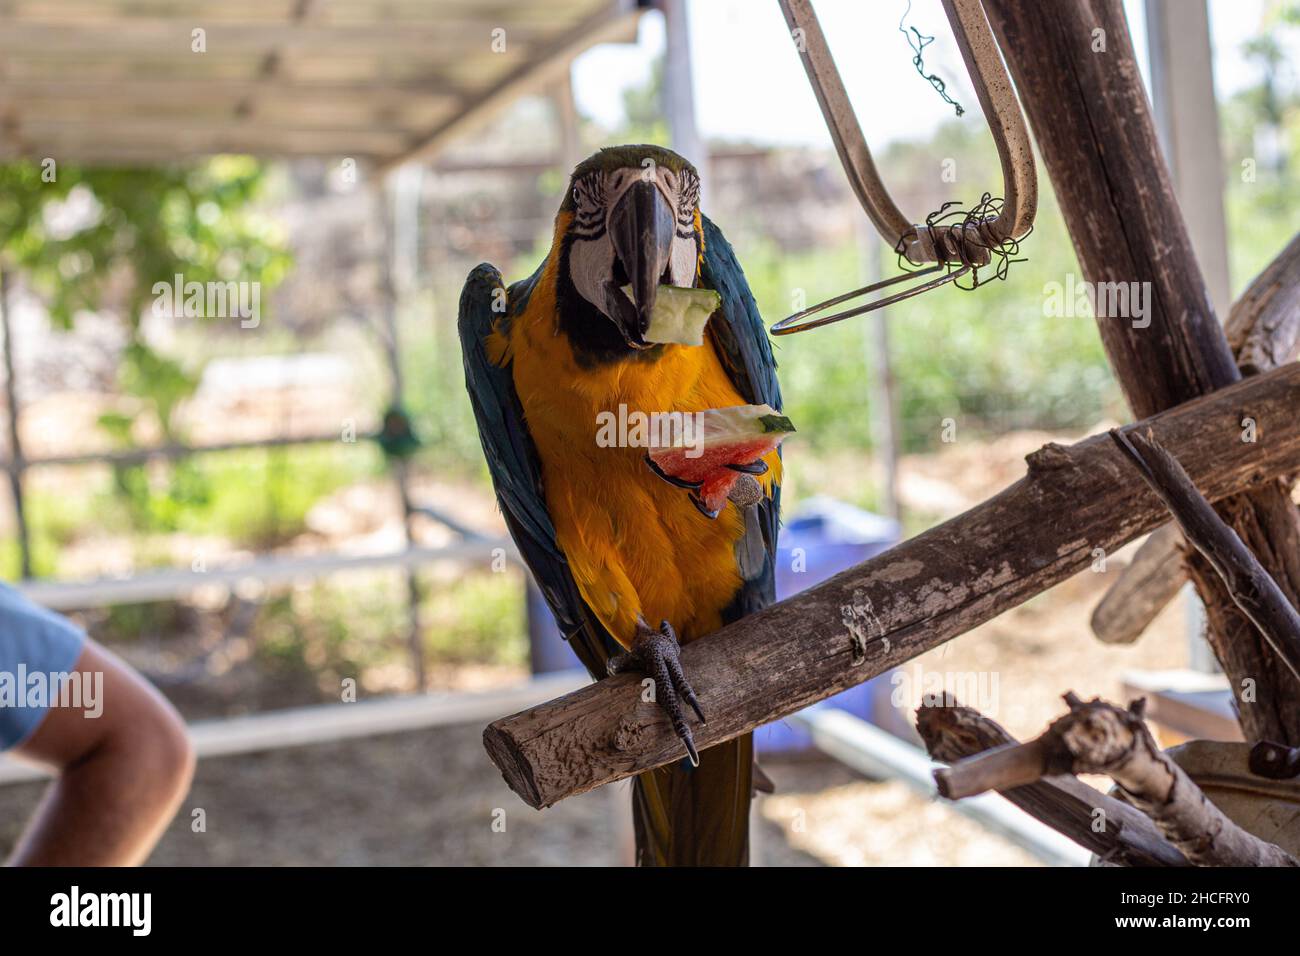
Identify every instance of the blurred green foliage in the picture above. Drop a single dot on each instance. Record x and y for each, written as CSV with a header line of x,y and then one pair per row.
x,y
98,240
479,618
334,632
256,498
74,233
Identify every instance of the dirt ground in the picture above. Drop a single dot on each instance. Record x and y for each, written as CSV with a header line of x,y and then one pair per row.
x,y
431,797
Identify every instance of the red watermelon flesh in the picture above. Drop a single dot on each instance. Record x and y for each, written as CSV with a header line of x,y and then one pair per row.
x,y
739,435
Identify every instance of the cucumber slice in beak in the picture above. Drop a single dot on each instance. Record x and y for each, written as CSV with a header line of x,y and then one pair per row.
x,y
680,315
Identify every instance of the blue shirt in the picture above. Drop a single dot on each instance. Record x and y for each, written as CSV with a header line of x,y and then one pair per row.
x,y
32,640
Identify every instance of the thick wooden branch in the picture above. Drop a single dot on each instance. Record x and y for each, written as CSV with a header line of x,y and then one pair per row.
x,y
1097,737
1092,122
1125,836
1251,587
1264,333
885,611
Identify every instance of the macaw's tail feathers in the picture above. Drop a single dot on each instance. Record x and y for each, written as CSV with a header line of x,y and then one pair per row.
x,y
696,816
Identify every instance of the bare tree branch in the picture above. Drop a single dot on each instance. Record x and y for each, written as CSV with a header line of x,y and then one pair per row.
x,y
1143,589
1114,191
1264,325
1264,333
1097,737
1251,587
1110,828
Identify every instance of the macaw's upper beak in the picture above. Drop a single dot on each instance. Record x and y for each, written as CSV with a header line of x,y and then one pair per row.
x,y
641,226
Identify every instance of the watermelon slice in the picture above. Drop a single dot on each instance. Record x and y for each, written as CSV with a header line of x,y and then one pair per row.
x,y
715,456
680,314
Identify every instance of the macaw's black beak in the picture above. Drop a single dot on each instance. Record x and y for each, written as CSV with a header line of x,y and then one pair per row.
x,y
641,226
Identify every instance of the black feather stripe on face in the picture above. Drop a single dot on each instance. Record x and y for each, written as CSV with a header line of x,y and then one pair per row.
x,y
689,200
589,201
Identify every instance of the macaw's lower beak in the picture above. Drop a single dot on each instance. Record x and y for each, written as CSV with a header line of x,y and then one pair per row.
x,y
641,226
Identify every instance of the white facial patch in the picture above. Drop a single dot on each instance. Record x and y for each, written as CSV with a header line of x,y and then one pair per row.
x,y
591,257
591,264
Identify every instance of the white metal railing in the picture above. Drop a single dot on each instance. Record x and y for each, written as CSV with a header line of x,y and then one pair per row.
x,y
175,582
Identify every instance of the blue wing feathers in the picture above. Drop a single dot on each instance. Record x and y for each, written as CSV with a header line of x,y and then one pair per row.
x,y
506,443
515,468
741,339
743,345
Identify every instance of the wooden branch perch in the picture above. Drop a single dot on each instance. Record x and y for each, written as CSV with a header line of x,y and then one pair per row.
x,y
1251,587
1264,333
1068,805
1097,737
885,611
1143,589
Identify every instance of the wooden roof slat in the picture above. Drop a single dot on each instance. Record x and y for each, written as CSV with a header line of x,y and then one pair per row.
x,y
130,37
115,80
186,90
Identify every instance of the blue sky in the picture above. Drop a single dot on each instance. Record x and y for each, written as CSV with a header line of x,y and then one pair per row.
x,y
750,86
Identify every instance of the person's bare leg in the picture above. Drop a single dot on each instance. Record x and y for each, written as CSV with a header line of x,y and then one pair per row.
x,y
121,775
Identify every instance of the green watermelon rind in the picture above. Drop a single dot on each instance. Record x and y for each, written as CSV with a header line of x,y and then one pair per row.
x,y
776,423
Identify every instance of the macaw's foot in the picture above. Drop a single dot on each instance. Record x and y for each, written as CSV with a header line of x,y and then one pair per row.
x,y
744,491
691,487
656,654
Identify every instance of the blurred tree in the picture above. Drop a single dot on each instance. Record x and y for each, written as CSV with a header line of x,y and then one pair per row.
x,y
643,107
98,240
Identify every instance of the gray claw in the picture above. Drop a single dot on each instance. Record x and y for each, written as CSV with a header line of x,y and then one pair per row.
x,y
702,508
675,482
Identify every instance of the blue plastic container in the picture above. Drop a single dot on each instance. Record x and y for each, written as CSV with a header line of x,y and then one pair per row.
x,y
821,539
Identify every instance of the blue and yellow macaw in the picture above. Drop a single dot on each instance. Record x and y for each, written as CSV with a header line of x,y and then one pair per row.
x,y
612,543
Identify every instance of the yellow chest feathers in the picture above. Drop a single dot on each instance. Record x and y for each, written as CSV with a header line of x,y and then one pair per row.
x,y
635,544
563,399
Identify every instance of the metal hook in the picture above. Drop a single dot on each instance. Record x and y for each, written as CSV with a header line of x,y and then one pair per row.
x,y
795,322
966,243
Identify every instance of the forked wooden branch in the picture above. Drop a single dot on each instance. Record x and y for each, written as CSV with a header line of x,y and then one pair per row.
x,y
885,611
1110,828
1092,123
1251,587
1097,737
1264,332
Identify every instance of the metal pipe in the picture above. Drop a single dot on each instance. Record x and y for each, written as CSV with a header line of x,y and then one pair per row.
x,y
873,752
